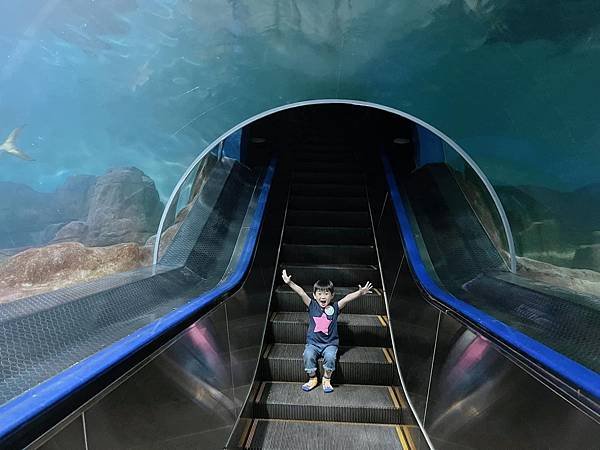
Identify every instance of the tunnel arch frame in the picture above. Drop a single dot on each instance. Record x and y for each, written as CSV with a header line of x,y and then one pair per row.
x,y
431,128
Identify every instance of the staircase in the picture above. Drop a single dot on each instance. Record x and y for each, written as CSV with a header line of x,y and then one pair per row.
x,y
328,235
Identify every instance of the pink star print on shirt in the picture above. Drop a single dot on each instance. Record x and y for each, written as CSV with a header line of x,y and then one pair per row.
x,y
322,324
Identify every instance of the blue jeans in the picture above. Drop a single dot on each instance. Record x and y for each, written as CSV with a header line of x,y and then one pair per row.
x,y
312,353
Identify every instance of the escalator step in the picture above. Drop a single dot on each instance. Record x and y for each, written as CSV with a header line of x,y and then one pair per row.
x,y
328,254
358,219
325,169
328,190
318,178
278,434
287,300
311,156
322,203
327,235
340,275
347,403
356,365
354,329
329,147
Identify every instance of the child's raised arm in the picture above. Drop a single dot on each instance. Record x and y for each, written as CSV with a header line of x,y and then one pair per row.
x,y
362,290
287,279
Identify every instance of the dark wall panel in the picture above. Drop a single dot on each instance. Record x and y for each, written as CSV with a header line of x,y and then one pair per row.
x,y
71,437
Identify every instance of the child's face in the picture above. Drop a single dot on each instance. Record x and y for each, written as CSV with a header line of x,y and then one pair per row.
x,y
323,297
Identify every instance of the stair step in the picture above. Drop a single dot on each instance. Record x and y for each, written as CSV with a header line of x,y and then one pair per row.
x,y
323,203
345,178
315,155
355,365
328,254
340,275
277,434
326,168
354,329
329,147
347,403
358,219
287,300
327,235
328,190
318,178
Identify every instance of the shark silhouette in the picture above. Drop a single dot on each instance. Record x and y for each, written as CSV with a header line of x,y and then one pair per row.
x,y
9,146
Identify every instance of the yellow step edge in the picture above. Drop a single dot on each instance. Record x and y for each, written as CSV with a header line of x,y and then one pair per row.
x,y
393,396
251,434
401,437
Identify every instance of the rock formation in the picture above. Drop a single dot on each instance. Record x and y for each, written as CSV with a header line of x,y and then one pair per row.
x,y
123,207
57,266
577,280
29,218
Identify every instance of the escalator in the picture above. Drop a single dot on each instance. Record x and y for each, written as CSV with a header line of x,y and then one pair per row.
x,y
221,364
328,235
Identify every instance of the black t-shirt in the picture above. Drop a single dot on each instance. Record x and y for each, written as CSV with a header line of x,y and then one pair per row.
x,y
322,324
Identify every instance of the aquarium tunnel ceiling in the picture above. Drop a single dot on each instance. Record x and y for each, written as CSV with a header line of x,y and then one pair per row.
x,y
150,83
93,88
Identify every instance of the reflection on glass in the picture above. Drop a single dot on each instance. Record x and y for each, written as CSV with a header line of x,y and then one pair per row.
x,y
459,244
557,234
185,199
479,199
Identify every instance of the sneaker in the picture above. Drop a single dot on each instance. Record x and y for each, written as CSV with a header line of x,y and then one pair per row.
x,y
327,388
310,384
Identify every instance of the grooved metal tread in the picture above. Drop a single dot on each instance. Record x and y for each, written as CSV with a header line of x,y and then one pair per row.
x,y
318,146
348,399
301,266
363,320
356,365
317,156
349,219
327,165
330,190
309,177
329,254
316,212
287,300
285,434
327,168
358,355
330,246
338,174
324,203
340,291
311,234
340,274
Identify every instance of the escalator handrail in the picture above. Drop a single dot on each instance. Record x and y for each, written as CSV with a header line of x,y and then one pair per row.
x,y
21,409
577,374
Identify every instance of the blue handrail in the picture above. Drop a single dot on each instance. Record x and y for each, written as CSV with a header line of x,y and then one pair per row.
x,y
24,407
570,370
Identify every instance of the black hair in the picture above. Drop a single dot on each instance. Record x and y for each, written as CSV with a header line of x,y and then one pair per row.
x,y
323,285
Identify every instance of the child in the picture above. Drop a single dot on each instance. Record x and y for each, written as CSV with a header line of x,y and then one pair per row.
x,y
322,336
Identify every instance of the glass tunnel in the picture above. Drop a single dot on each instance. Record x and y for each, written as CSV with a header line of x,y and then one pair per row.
x,y
163,161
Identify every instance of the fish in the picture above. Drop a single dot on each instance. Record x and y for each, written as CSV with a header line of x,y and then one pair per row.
x,y
143,73
9,146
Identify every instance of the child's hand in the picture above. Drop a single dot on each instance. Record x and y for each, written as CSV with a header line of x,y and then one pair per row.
x,y
366,289
286,277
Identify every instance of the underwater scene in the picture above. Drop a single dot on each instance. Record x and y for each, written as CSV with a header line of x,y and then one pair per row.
x,y
105,104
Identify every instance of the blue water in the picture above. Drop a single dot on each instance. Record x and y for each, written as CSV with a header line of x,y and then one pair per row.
x,y
150,83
